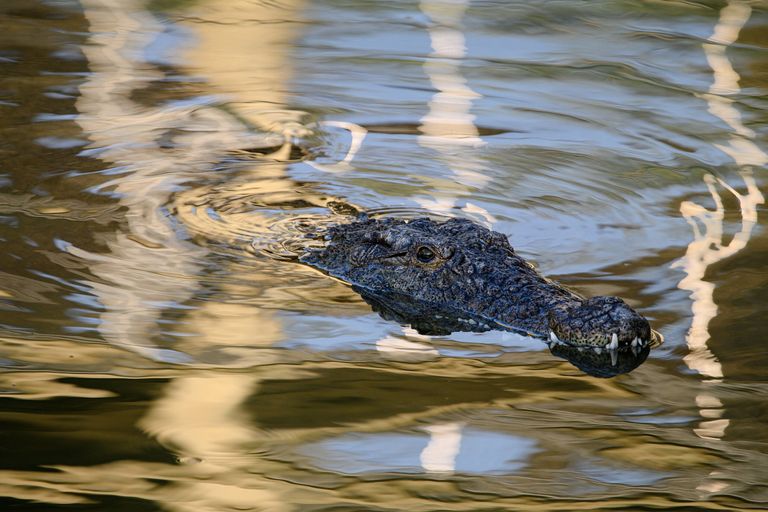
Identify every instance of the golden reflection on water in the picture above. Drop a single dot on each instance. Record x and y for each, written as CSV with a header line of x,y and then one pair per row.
x,y
120,30
227,460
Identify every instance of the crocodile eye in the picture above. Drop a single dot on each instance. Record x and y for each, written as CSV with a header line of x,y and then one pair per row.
x,y
425,254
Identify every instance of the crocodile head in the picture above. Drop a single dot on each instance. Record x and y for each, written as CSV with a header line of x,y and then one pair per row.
x,y
464,268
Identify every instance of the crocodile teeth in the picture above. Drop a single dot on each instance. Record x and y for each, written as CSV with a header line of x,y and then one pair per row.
x,y
598,350
553,337
614,344
614,356
635,342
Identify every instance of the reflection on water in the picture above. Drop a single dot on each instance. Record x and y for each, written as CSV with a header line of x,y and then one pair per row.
x,y
708,246
163,162
440,448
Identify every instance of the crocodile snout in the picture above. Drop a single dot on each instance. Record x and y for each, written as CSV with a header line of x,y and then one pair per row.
x,y
601,322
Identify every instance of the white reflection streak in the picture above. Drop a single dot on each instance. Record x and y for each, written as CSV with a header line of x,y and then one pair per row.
x,y
357,134
448,128
708,247
439,456
406,349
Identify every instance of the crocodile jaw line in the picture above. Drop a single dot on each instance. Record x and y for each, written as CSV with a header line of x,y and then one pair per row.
x,y
636,345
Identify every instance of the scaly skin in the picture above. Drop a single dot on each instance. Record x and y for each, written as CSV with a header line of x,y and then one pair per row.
x,y
463,267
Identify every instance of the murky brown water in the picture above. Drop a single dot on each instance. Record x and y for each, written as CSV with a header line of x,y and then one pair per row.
x,y
160,160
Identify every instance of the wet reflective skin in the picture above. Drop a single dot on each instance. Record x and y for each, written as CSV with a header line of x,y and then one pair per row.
x,y
426,319
165,164
462,267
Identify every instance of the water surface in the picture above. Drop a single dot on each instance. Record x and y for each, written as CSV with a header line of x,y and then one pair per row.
x,y
162,161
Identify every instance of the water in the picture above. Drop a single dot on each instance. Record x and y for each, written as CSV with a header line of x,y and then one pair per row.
x,y
162,162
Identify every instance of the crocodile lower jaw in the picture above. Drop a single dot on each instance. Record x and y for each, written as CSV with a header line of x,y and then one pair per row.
x,y
636,345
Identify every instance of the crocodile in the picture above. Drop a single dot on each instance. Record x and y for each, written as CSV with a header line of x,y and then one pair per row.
x,y
458,275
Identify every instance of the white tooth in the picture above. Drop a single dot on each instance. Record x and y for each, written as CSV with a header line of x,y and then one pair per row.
x,y
614,342
553,337
635,342
598,350
614,357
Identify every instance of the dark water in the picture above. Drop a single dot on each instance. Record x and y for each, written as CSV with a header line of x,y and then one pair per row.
x,y
161,160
